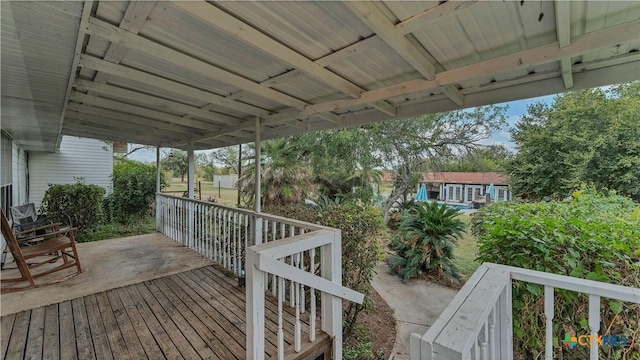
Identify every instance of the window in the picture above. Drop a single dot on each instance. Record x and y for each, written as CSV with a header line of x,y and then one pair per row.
x,y
500,194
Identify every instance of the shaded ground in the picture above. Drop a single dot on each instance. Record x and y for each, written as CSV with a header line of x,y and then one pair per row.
x,y
107,264
416,305
380,327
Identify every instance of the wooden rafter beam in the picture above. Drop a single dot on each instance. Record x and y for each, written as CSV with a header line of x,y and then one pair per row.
x,y
124,38
374,17
155,102
96,64
539,55
141,111
119,116
438,12
75,118
563,32
132,21
245,32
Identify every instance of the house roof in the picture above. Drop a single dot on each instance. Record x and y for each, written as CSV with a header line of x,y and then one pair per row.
x,y
465,177
175,73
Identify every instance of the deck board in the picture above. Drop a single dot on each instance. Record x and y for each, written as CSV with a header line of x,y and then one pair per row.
x,y
195,314
51,340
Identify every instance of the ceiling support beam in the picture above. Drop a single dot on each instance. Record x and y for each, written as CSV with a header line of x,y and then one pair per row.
x,y
140,111
158,103
563,32
245,32
75,118
441,11
370,14
539,55
100,65
118,116
86,14
124,38
132,21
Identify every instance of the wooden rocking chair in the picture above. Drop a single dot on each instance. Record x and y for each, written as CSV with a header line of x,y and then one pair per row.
x,y
48,250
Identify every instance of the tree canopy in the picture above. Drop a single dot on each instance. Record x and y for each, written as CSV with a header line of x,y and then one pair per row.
x,y
587,136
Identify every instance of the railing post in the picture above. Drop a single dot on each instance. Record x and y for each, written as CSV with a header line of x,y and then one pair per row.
x,y
331,269
254,307
505,307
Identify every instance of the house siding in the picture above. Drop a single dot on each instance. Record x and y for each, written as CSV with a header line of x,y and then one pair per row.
x,y
89,159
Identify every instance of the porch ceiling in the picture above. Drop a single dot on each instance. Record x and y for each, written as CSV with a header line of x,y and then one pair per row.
x,y
163,73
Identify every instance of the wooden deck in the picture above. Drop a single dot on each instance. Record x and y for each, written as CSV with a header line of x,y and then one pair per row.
x,y
191,315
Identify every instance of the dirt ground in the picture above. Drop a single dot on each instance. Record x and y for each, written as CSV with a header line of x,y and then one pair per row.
x,y
381,325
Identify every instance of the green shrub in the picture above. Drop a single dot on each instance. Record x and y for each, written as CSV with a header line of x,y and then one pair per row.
x,y
79,202
134,188
361,251
424,241
590,236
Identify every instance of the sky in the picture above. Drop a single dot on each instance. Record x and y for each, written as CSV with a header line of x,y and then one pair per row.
x,y
516,109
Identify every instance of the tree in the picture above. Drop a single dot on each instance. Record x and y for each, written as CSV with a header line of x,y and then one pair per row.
x,y
410,144
342,160
286,178
178,162
588,136
486,158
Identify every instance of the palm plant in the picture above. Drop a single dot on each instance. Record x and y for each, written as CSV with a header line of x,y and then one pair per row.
x,y
424,241
285,178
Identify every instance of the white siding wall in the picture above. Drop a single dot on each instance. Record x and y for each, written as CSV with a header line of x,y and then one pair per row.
x,y
19,173
77,158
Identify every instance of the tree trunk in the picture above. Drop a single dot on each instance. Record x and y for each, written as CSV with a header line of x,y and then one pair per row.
x,y
397,192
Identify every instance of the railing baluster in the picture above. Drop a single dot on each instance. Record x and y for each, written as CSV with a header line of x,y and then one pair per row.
x,y
548,314
594,324
291,286
492,333
298,327
302,296
312,299
482,342
280,331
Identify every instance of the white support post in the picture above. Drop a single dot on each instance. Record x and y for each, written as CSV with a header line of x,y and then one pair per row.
x,y
331,269
258,195
254,308
190,193
191,173
158,207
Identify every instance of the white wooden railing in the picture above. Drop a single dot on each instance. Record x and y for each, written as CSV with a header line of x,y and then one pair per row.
x,y
477,324
296,262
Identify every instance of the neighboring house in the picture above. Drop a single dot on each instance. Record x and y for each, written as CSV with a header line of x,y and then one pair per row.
x,y
26,175
465,187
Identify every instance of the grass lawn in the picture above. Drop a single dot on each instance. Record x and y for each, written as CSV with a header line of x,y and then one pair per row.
x,y
466,252
228,197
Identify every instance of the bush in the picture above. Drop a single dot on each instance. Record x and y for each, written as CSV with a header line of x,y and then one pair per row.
x,y
591,236
361,252
134,188
424,241
79,202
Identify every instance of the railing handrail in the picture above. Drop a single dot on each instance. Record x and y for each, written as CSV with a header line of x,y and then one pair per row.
x,y
458,329
591,287
269,253
284,220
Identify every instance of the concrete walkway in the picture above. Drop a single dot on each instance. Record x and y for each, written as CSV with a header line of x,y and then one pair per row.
x,y
107,264
416,305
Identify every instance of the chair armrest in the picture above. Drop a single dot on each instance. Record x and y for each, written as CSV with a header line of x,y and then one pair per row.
x,y
56,225
47,235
